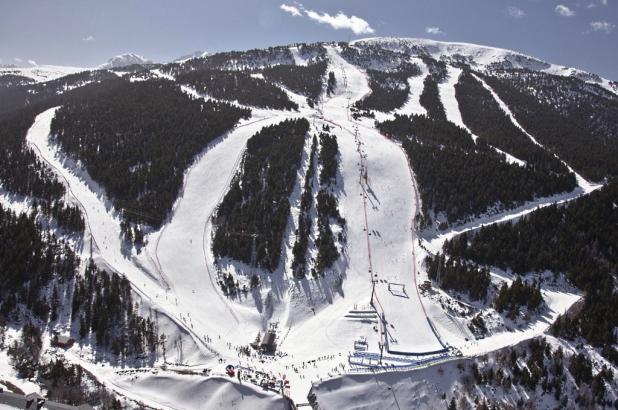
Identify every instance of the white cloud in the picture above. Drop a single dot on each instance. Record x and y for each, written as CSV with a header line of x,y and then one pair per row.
x,y
290,9
433,30
564,11
603,26
88,38
591,6
603,2
18,60
32,62
341,21
515,12
338,21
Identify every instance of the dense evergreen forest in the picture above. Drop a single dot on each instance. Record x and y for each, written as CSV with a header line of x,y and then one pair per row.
x,y
251,219
14,80
31,94
105,309
589,105
238,60
584,143
456,274
430,99
138,138
306,80
21,172
301,244
370,56
327,207
238,86
511,298
37,274
458,177
482,114
34,259
389,90
578,239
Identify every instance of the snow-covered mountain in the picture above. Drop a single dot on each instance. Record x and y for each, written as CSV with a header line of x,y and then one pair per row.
x,y
402,126
195,54
124,60
481,57
40,73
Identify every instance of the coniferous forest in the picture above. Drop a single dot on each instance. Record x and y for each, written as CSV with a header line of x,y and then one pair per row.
x,y
39,275
238,86
457,176
301,244
486,119
389,90
251,219
430,99
456,274
577,240
327,207
306,80
137,139
587,145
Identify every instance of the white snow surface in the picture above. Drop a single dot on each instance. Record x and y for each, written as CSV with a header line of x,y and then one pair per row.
x,y
42,73
482,57
172,391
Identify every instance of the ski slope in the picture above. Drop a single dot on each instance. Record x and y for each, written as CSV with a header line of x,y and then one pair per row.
x,y
389,205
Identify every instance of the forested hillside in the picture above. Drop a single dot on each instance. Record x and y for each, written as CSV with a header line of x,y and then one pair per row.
x,y
369,56
39,278
238,86
582,142
306,80
430,99
14,80
482,114
237,60
16,97
251,219
137,140
578,240
389,89
457,177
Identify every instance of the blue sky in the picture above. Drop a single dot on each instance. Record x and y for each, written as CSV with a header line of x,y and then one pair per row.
x,y
582,34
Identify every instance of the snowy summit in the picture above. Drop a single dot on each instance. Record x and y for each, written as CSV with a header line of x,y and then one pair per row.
x,y
125,60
